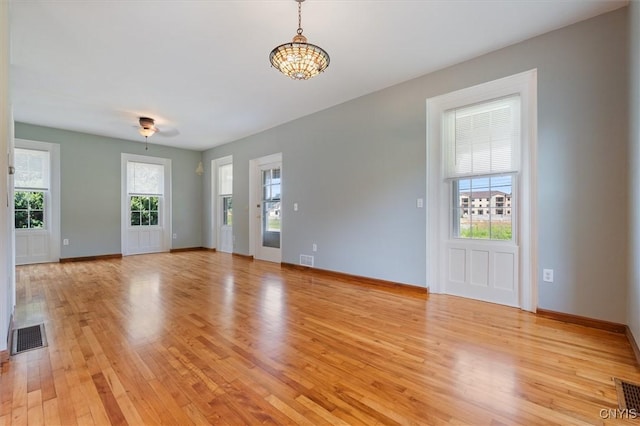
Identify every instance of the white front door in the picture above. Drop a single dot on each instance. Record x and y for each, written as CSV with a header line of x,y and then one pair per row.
x,y
146,204
36,203
267,208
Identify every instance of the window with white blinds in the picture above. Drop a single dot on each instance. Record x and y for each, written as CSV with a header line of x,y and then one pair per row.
x,y
145,178
31,183
225,192
32,169
483,138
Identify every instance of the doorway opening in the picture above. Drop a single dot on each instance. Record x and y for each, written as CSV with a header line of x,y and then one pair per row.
x,y
266,182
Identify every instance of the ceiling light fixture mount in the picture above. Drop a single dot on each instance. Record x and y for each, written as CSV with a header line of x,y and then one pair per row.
x,y
299,60
147,128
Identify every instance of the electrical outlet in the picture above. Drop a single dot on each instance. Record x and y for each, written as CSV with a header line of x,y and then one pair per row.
x,y
175,236
314,247
419,203
547,275
65,242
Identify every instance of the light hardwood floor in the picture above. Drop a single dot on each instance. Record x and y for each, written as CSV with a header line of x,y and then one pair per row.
x,y
201,337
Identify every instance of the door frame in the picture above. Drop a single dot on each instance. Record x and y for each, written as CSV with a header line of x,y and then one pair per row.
x,y
256,198
53,212
525,84
166,204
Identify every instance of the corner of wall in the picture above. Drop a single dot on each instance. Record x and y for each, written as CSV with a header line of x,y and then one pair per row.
x,y
633,285
6,136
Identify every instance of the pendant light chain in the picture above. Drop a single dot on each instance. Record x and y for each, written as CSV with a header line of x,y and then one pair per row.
x,y
299,18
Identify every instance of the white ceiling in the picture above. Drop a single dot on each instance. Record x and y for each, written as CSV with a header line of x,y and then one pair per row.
x,y
202,67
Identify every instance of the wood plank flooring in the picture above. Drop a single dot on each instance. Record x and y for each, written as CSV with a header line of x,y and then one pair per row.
x,y
208,338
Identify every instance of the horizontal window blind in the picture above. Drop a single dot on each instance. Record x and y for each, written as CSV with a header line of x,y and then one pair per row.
x,y
483,138
225,179
145,178
32,169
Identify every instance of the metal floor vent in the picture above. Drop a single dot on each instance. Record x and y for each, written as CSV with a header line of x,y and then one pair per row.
x,y
28,338
306,260
628,395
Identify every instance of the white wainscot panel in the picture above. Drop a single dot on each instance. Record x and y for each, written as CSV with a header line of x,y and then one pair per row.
x,y
504,271
479,268
22,245
457,265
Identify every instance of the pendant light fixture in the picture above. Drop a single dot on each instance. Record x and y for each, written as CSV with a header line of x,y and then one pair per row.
x,y
299,60
200,169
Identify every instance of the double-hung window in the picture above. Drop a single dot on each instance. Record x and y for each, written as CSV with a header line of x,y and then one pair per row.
x,y
31,188
225,192
482,151
145,189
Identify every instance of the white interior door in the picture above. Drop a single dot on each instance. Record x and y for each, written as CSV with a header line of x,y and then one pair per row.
x,y
267,208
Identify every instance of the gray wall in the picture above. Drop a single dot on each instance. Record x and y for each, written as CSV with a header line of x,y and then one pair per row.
x,y
90,189
633,307
356,170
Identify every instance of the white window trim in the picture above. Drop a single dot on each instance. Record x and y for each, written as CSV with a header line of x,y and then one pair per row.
x,y
438,224
52,220
166,204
